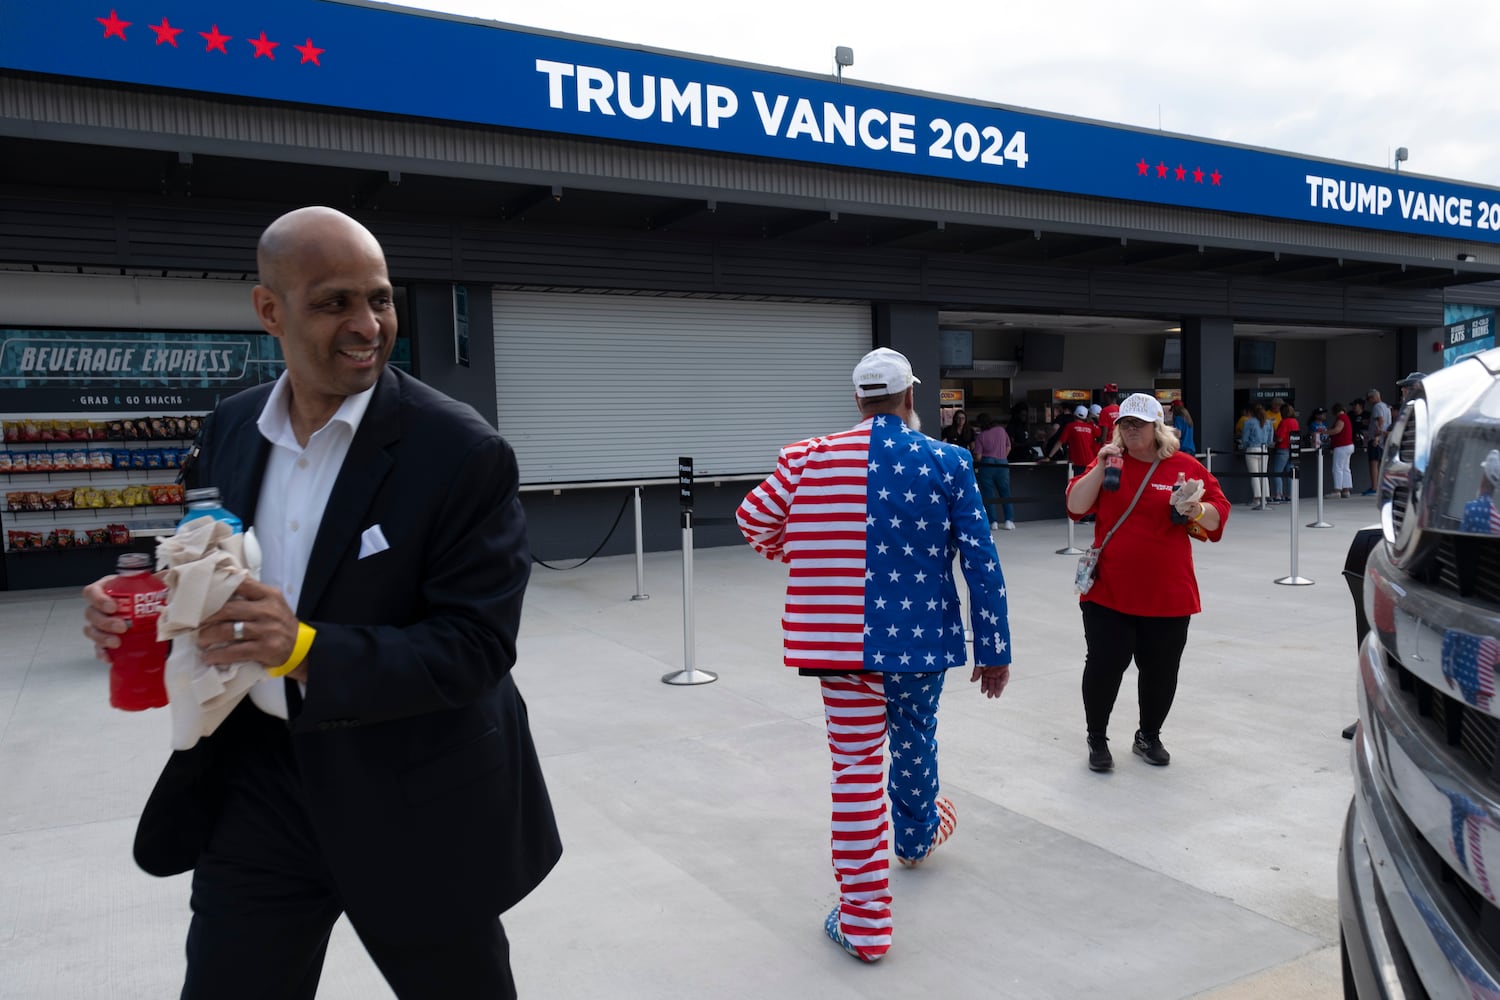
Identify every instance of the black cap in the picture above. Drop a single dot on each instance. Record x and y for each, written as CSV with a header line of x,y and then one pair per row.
x,y
1412,378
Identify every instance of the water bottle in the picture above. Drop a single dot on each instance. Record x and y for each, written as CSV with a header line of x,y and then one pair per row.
x,y
1112,466
206,502
136,666
1178,517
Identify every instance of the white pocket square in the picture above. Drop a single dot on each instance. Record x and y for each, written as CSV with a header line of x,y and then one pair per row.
x,y
372,541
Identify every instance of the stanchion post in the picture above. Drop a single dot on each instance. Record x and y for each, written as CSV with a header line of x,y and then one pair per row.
x,y
1070,549
1295,459
1320,523
640,554
688,674
1208,460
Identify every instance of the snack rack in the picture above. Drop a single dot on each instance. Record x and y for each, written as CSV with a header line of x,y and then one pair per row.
x,y
80,490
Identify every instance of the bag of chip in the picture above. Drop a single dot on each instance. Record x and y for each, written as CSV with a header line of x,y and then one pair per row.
x,y
119,534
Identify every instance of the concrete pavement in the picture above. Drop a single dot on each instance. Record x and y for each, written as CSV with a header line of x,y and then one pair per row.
x,y
695,819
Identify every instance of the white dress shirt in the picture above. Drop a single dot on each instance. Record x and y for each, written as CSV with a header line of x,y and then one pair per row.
x,y
293,496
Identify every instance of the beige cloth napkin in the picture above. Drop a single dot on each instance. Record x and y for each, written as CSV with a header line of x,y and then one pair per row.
x,y
1189,493
204,562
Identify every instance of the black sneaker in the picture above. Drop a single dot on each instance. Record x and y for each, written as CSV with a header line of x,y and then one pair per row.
x,y
1150,749
1100,759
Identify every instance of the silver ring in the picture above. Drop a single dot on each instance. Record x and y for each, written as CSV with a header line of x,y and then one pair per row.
x,y
238,632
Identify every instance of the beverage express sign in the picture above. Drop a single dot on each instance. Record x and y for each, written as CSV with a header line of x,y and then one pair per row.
x,y
338,54
82,370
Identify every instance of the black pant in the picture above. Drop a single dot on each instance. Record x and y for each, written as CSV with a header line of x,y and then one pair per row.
x,y
1113,639
264,903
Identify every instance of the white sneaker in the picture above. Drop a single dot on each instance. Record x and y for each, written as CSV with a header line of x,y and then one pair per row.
x,y
994,525
1009,526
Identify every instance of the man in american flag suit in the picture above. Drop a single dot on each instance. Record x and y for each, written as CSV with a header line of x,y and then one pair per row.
x,y
870,520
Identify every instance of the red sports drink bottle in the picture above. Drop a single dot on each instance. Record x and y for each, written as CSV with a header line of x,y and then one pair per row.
x,y
136,666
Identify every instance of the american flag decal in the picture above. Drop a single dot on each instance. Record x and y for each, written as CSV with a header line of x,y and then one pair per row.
x,y
1468,821
1481,517
870,521
1469,665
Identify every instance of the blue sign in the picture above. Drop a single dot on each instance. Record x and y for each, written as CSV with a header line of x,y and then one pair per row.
x,y
1469,336
343,55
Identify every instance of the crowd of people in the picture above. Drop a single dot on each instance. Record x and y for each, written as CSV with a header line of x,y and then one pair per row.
x,y
1075,435
1268,433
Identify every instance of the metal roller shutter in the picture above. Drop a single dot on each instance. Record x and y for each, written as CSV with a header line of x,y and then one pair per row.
x,y
606,387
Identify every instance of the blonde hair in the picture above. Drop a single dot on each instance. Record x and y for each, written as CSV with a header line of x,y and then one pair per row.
x,y
1166,440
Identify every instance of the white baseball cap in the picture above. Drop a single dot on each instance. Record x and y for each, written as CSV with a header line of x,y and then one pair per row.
x,y
1095,410
1081,412
1142,407
883,372
1492,467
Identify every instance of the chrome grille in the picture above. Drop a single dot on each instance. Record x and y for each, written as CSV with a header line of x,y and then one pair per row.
x,y
1405,452
1474,738
1469,566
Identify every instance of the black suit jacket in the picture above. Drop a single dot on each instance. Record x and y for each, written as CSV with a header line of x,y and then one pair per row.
x,y
417,763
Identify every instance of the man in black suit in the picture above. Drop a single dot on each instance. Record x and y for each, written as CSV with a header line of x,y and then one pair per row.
x,y
386,769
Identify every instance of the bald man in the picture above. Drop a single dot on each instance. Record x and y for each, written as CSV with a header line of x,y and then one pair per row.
x,y
384,768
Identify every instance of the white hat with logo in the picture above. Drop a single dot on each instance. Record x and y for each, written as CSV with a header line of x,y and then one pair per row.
x,y
883,372
1142,407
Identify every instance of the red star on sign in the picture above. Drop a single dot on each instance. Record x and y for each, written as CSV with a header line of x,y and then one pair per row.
x,y
1198,175
1142,167
310,52
165,33
1216,177
113,25
263,47
215,40
1161,170
1181,173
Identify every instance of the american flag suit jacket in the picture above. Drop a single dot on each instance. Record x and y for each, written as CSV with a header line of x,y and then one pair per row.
x,y
870,521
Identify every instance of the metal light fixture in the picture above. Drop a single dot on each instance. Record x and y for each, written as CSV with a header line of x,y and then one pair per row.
x,y
1401,157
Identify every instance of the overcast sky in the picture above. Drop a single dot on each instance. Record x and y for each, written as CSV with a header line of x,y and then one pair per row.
x,y
1336,79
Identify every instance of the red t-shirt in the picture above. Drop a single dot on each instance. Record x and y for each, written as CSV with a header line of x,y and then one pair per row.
x,y
1107,417
1285,430
1081,439
1343,437
1147,567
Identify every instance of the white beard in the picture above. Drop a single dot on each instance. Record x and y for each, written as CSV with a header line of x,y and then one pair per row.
x,y
913,421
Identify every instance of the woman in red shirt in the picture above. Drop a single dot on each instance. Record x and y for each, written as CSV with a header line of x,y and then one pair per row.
x,y
1126,617
1341,440
1281,488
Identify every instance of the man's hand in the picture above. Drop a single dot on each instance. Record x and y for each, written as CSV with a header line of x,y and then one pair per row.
x,y
992,680
99,624
268,629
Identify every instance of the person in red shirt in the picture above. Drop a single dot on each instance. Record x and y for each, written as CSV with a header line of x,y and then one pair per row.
x,y
1109,411
1080,438
1124,616
1341,440
1281,457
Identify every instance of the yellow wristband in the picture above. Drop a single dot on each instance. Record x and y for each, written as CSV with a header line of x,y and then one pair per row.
x,y
305,635
1202,509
